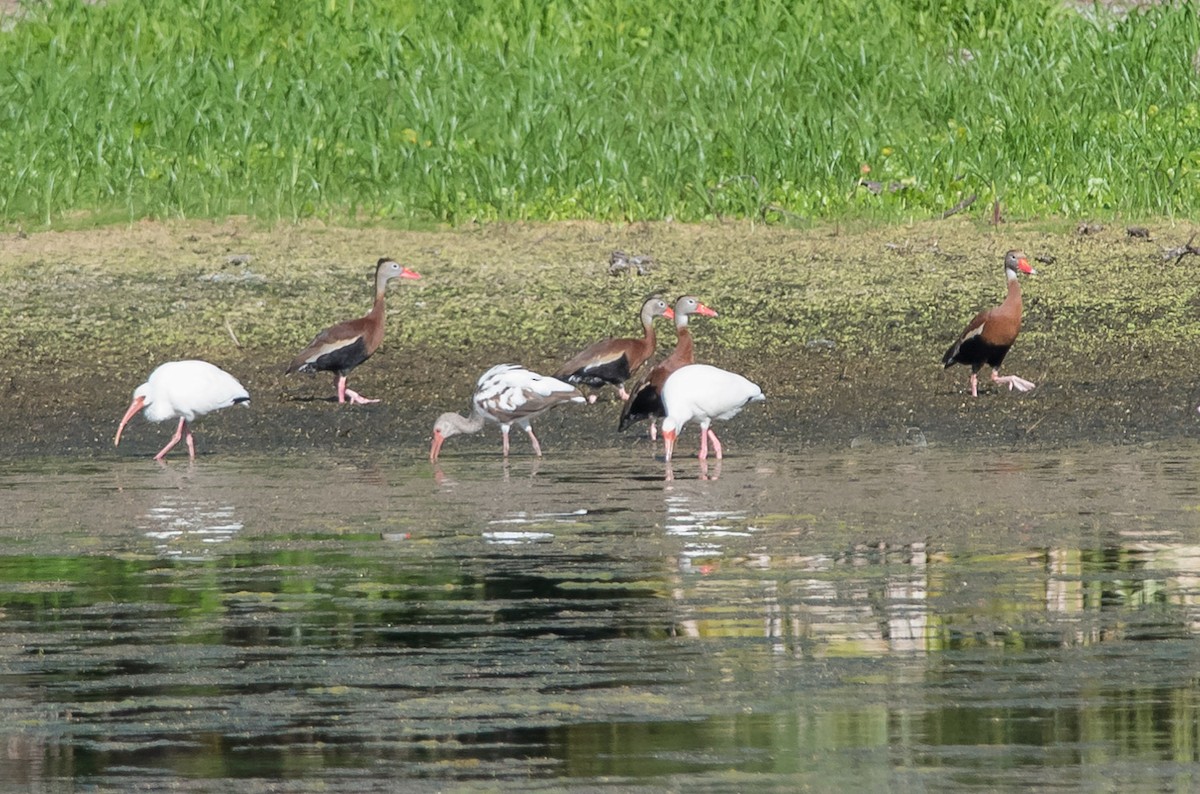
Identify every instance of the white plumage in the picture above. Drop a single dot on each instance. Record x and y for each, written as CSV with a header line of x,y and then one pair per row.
x,y
703,393
506,394
183,389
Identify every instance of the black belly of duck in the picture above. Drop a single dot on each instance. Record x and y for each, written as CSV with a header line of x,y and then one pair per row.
x,y
975,352
342,360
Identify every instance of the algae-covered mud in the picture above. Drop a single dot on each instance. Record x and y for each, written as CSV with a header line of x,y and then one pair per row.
x,y
844,329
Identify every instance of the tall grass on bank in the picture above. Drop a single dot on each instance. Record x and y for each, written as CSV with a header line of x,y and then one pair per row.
x,y
616,109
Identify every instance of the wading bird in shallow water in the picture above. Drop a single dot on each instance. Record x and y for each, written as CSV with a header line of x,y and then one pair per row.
x,y
703,393
614,361
342,347
989,336
184,389
646,402
508,395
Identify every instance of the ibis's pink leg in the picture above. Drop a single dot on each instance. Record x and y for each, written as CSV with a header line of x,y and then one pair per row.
x,y
668,444
974,385
537,448
1012,381
175,440
703,444
716,444
504,434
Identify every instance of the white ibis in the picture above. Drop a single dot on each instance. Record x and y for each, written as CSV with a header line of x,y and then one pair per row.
x,y
988,337
613,361
506,394
646,402
703,393
184,389
342,347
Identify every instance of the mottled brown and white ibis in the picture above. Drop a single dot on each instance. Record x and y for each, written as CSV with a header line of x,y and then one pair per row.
x,y
506,394
988,337
183,389
646,402
611,362
342,347
703,393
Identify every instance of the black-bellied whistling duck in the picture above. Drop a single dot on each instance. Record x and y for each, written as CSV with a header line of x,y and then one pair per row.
x,y
613,361
506,394
703,393
989,336
646,402
342,347
184,389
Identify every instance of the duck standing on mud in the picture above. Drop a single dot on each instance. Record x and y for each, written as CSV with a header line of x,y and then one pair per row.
x,y
184,389
646,402
988,337
506,394
342,347
611,362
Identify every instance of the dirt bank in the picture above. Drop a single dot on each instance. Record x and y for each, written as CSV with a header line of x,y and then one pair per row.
x,y
843,328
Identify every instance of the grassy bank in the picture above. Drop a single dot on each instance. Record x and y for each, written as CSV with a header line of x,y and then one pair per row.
x,y
606,109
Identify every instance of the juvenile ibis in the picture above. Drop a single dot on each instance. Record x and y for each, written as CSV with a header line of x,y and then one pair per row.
x,y
342,347
506,394
988,337
703,393
613,361
184,389
646,402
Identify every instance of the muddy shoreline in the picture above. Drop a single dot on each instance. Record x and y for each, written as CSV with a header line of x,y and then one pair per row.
x,y
844,330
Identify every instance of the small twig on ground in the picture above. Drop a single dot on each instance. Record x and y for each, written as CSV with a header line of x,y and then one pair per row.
x,y
960,206
232,335
1179,252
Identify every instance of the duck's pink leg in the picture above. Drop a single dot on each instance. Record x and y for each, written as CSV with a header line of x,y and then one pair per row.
x,y
175,440
1012,381
974,385
653,430
358,399
355,397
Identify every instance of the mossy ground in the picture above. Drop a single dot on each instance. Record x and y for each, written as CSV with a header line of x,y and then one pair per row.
x,y
843,328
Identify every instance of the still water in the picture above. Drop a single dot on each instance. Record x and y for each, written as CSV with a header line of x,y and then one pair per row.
x,y
887,618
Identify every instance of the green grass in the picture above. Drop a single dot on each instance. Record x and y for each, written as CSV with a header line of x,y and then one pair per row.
x,y
614,109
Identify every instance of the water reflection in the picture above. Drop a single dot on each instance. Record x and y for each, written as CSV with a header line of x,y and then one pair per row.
x,y
182,526
892,619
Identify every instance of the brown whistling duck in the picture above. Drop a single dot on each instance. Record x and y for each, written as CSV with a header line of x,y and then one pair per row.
x,y
613,361
646,402
988,337
342,347
506,394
